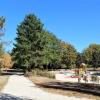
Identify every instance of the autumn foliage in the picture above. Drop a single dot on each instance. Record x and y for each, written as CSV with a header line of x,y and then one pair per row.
x,y
6,61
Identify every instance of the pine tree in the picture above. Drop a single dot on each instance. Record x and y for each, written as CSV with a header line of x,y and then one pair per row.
x,y
2,22
28,47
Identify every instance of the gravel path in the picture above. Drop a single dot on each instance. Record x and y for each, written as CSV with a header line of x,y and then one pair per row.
x,y
21,88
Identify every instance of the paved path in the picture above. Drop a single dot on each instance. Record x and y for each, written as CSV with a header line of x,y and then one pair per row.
x,y
20,88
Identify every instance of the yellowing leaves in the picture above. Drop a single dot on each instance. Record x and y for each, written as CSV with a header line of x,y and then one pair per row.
x,y
6,61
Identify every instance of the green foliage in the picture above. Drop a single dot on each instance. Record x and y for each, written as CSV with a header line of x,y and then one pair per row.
x,y
68,55
79,59
34,46
37,48
92,55
1,50
0,68
28,48
2,21
1,54
51,50
94,78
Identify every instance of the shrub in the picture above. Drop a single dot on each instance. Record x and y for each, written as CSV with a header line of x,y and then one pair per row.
x,y
0,69
44,73
94,78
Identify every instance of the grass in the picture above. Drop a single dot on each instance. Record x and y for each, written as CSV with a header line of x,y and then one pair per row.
x,y
43,73
3,81
42,80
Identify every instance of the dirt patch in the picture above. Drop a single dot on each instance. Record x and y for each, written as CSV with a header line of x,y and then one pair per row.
x,y
40,81
3,81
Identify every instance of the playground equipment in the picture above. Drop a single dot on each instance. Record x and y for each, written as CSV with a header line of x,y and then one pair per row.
x,y
82,72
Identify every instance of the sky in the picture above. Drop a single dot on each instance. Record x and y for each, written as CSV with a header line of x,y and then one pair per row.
x,y
73,21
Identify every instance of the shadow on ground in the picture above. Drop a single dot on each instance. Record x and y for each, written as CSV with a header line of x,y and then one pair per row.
x,y
12,72
79,87
11,97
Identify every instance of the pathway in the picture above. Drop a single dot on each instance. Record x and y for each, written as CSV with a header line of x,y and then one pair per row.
x,y
21,88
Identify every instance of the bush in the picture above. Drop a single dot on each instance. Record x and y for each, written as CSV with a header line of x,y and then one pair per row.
x,y
89,66
94,78
44,73
0,71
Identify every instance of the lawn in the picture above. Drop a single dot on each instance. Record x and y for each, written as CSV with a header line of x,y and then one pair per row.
x,y
40,81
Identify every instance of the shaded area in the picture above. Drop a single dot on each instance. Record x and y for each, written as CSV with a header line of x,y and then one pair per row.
x,y
79,87
12,72
11,97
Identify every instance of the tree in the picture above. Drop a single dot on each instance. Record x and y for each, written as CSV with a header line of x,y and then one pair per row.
x,y
2,22
6,61
51,57
68,55
37,48
1,50
29,43
79,59
92,55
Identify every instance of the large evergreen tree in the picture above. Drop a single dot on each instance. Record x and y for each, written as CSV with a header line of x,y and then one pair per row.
x,y
29,45
2,22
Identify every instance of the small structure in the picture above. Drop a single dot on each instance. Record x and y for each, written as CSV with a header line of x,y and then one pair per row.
x,y
82,72
82,69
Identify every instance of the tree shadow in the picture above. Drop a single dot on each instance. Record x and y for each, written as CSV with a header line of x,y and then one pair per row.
x,y
11,97
78,87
